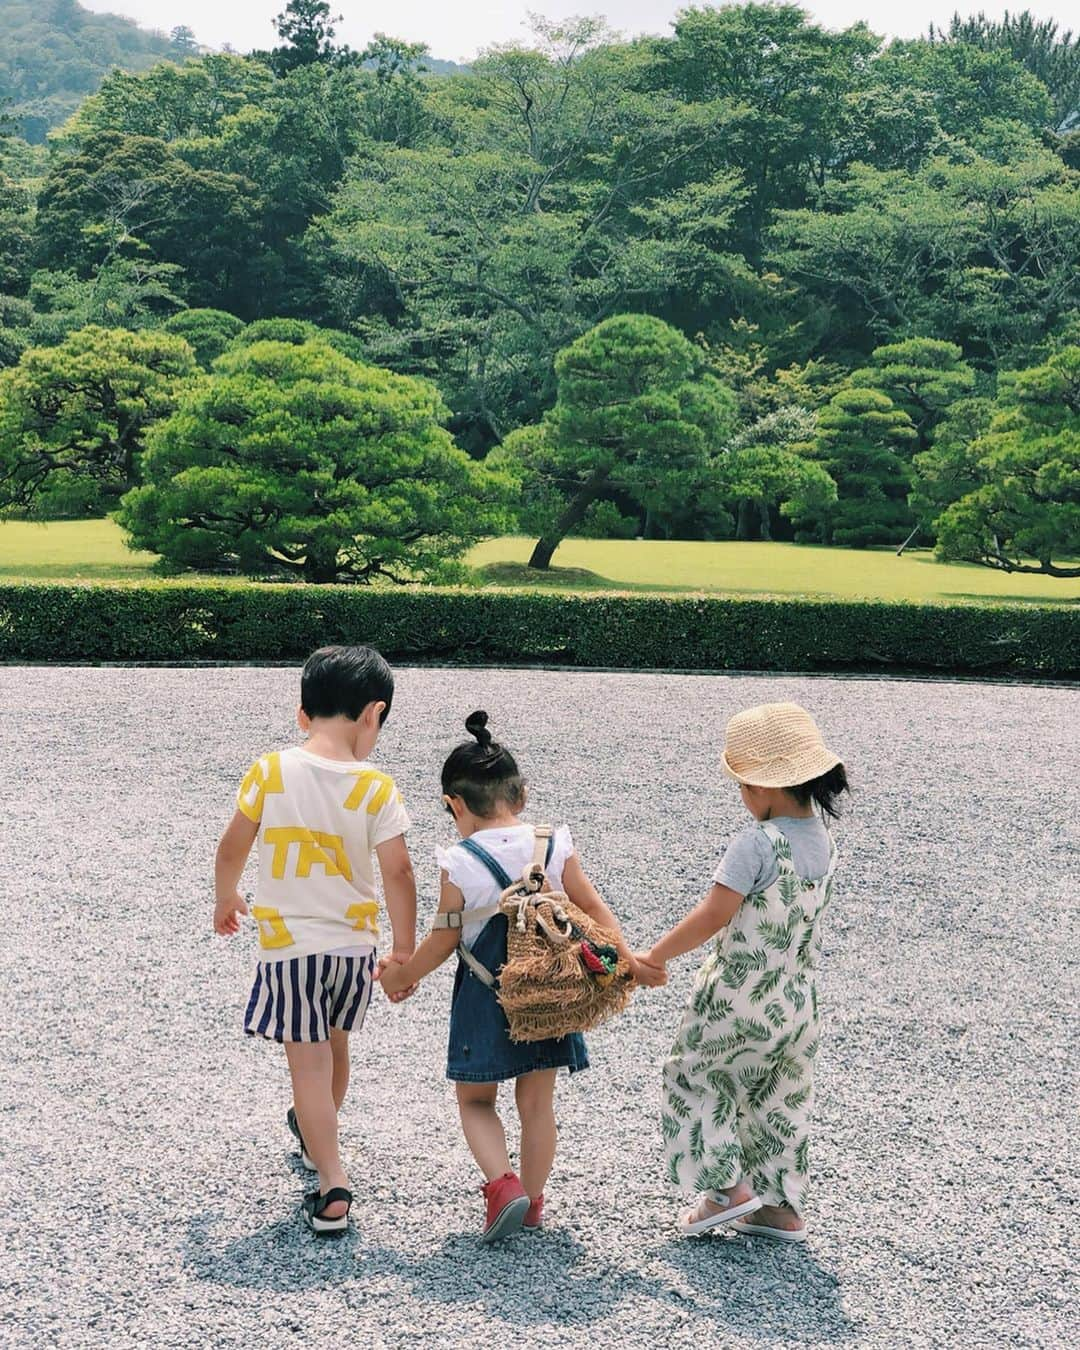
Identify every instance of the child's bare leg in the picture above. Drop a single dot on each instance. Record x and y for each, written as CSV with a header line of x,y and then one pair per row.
x,y
339,1046
311,1066
535,1094
484,1131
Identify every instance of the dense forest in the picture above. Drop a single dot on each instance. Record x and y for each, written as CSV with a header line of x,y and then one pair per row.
x,y
830,280
53,53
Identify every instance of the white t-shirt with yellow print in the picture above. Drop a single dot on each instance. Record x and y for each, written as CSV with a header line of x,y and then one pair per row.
x,y
319,822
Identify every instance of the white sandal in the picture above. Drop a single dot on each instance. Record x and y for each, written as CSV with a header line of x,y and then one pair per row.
x,y
765,1231
691,1227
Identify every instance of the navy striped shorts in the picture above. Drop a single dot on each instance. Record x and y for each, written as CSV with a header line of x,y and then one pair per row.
x,y
301,999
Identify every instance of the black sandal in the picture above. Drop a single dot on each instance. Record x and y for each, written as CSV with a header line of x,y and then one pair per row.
x,y
294,1130
315,1203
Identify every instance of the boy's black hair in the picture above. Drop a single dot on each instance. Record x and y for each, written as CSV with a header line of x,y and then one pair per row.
x,y
823,790
481,772
342,681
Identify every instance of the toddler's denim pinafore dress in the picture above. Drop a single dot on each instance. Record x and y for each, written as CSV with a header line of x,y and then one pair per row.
x,y
480,1049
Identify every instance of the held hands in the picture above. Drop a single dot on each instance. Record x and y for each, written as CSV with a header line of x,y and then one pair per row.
x,y
646,972
227,913
390,975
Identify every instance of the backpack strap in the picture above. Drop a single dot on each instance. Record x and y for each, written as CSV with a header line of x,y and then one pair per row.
x,y
543,846
476,966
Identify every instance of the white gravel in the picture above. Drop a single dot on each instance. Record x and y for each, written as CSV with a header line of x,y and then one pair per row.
x,y
147,1190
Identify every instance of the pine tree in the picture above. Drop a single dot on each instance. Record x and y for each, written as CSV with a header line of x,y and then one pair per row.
x,y
863,440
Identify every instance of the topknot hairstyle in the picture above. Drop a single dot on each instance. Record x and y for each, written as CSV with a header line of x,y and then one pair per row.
x,y
476,725
483,773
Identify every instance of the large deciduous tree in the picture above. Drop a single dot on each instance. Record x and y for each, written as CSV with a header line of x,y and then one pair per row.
x,y
637,415
1024,515
290,458
558,187
781,85
1050,55
74,418
16,236
132,196
978,248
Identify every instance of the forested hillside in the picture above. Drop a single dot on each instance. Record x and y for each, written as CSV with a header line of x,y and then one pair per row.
x,y
53,53
870,246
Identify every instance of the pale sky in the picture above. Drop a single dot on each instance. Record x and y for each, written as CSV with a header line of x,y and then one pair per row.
x,y
456,31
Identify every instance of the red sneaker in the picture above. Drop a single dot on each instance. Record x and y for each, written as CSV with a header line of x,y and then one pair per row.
x,y
507,1205
535,1216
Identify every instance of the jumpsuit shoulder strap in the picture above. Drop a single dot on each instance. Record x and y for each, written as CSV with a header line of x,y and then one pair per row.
x,y
456,920
834,853
781,846
502,877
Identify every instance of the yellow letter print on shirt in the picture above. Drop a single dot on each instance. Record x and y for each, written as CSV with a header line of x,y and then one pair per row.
x,y
315,849
384,790
273,931
264,776
366,914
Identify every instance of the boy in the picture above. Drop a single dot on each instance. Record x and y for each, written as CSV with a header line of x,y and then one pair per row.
x,y
319,811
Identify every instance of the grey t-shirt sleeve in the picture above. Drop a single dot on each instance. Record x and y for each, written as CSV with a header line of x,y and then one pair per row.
x,y
748,864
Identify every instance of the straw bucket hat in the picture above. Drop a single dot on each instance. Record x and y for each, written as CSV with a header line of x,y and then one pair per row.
x,y
775,745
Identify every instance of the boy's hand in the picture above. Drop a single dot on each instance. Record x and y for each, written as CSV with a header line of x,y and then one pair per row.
x,y
391,976
646,973
227,913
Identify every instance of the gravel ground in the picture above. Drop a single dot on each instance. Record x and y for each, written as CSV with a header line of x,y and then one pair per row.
x,y
147,1190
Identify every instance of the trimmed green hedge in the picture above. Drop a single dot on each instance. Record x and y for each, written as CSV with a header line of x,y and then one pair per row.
x,y
180,622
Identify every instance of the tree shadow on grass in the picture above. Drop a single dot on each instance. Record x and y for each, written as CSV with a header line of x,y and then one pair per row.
x,y
508,574
545,1279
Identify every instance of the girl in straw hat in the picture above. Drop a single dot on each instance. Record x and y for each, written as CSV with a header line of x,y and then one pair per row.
x,y
738,1085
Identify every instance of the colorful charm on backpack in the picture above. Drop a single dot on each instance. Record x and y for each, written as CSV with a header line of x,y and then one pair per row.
x,y
600,962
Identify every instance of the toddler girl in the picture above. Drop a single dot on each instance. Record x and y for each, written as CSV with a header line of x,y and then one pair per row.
x,y
485,793
738,1084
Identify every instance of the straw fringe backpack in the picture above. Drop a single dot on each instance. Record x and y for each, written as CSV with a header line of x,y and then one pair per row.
x,y
563,972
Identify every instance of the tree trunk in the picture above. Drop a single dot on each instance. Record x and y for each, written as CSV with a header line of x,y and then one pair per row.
x,y
572,515
763,520
321,565
745,527
541,554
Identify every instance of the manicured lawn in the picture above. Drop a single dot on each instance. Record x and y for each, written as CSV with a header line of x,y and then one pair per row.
x,y
756,569
81,550
95,551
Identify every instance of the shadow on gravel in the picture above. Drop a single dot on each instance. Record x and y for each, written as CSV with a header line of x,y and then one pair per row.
x,y
546,1279
281,1256
763,1291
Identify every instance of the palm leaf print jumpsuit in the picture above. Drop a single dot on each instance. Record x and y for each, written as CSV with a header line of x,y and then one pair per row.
x,y
738,1084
